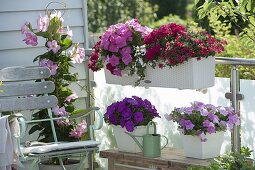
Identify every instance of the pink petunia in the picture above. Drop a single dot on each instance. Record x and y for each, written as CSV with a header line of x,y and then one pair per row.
x,y
114,60
126,59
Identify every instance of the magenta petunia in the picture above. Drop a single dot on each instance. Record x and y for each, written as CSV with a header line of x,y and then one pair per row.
x,y
114,60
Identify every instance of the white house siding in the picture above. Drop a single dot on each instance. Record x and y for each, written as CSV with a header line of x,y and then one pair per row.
x,y
14,13
14,52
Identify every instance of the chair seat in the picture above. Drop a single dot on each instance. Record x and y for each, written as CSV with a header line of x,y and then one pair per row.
x,y
60,146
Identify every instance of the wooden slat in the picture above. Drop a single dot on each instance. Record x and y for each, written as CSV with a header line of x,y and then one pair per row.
x,y
29,103
23,73
15,39
171,159
9,58
14,20
24,89
31,5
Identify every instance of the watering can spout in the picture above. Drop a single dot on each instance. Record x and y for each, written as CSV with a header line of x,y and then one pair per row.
x,y
135,140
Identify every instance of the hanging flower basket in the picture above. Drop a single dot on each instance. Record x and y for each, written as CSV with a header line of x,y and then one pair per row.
x,y
189,75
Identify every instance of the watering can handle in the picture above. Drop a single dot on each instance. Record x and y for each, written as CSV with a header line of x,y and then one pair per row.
x,y
148,127
135,140
166,141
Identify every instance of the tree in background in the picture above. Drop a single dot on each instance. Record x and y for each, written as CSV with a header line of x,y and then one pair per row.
x,y
167,7
103,13
226,16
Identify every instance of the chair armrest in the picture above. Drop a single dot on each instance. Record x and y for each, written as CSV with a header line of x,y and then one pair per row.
x,y
86,112
99,125
83,112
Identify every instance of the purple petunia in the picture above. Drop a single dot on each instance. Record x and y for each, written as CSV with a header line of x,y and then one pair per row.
x,y
130,112
187,124
138,116
202,119
129,126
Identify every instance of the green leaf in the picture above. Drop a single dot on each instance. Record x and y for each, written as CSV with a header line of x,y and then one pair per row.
x,y
66,43
63,37
248,6
196,2
70,108
35,128
42,34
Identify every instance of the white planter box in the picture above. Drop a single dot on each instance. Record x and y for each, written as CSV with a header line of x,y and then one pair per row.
x,y
189,75
124,142
194,148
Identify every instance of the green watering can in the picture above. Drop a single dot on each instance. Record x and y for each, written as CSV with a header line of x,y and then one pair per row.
x,y
151,142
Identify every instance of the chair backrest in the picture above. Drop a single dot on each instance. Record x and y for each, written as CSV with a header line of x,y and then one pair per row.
x,y
21,92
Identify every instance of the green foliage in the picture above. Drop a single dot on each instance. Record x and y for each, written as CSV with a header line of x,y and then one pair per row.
x,y
102,13
230,161
238,46
59,64
0,86
188,22
167,7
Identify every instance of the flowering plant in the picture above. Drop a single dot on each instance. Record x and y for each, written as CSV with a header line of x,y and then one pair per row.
x,y
200,119
130,112
58,60
172,44
132,47
120,48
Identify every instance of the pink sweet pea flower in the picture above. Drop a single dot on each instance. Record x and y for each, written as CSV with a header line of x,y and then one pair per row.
x,y
77,54
31,39
71,97
59,111
63,122
69,33
53,46
58,15
24,28
75,134
50,64
79,130
43,23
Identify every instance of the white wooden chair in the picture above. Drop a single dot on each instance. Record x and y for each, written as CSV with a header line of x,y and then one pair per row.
x,y
20,92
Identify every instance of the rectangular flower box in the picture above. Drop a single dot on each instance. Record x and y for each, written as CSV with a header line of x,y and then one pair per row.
x,y
194,148
194,74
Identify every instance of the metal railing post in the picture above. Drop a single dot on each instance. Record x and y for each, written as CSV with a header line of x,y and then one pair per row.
x,y
235,87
